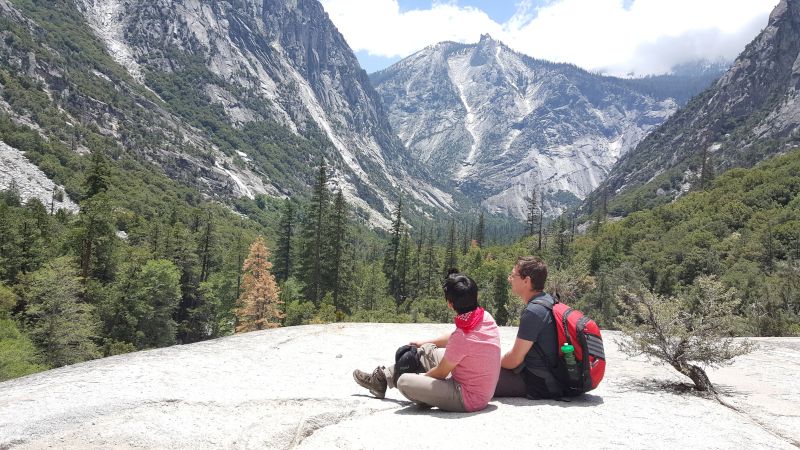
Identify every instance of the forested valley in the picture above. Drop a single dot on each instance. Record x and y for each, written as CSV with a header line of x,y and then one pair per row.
x,y
116,278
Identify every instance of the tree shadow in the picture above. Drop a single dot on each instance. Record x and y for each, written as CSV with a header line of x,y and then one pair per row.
x,y
652,385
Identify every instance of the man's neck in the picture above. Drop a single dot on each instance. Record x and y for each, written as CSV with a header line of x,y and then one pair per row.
x,y
530,296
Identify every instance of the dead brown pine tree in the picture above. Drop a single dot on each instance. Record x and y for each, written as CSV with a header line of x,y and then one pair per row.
x,y
258,303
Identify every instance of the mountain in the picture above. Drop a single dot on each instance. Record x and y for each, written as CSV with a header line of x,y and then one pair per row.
x,y
500,123
236,98
683,82
750,113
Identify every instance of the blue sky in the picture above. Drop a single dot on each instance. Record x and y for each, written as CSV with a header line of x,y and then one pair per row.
x,y
617,37
499,10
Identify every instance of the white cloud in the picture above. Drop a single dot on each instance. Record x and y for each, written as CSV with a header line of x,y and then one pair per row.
x,y
650,36
379,28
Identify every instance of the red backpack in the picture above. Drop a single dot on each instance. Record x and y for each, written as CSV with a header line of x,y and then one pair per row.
x,y
583,333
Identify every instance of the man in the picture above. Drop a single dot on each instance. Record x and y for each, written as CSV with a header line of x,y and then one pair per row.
x,y
526,367
471,353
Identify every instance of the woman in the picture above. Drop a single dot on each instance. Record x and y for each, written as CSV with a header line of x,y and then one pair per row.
x,y
471,353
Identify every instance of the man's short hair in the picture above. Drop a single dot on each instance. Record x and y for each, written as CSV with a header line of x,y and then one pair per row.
x,y
534,268
461,291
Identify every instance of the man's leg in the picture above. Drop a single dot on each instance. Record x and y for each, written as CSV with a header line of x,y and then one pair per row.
x,y
444,394
513,384
510,384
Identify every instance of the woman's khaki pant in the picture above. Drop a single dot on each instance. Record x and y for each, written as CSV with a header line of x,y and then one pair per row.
x,y
443,394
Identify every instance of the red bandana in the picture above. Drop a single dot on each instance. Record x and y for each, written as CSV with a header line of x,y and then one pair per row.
x,y
467,321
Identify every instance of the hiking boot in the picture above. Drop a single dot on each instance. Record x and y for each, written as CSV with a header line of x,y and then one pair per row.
x,y
376,383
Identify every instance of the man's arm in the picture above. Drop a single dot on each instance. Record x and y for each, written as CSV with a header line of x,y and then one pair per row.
x,y
439,342
514,358
442,370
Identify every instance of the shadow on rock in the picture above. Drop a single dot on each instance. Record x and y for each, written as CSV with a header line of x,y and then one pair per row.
x,y
391,400
581,401
652,385
416,410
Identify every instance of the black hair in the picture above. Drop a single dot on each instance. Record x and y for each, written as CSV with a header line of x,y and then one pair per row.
x,y
461,291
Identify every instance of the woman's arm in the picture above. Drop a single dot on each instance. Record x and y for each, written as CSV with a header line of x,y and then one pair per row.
x,y
442,370
441,341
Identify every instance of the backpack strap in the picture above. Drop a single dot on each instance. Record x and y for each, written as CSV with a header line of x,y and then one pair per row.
x,y
547,305
538,348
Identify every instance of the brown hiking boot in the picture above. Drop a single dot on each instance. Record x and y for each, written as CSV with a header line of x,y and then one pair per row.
x,y
376,383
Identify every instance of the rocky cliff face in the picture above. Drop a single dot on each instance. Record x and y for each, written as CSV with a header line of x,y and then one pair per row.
x,y
237,98
501,124
60,95
277,60
750,113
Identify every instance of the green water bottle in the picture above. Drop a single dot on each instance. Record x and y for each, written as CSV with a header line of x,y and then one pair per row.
x,y
569,358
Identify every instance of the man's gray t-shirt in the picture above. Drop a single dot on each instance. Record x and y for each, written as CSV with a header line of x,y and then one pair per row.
x,y
536,324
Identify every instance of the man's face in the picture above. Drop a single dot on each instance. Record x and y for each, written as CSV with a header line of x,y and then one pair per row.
x,y
519,286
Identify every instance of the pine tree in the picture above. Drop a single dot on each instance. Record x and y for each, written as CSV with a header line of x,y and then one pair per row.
x,y
239,255
337,239
769,249
532,217
31,237
283,254
371,294
97,174
601,209
11,196
155,292
417,284
313,245
451,257
61,325
431,266
481,231
393,251
465,238
541,222
348,292
562,239
258,305
96,238
401,272
205,250
182,254
706,169
501,296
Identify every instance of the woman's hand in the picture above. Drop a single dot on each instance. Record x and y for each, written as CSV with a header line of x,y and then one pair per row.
x,y
418,344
